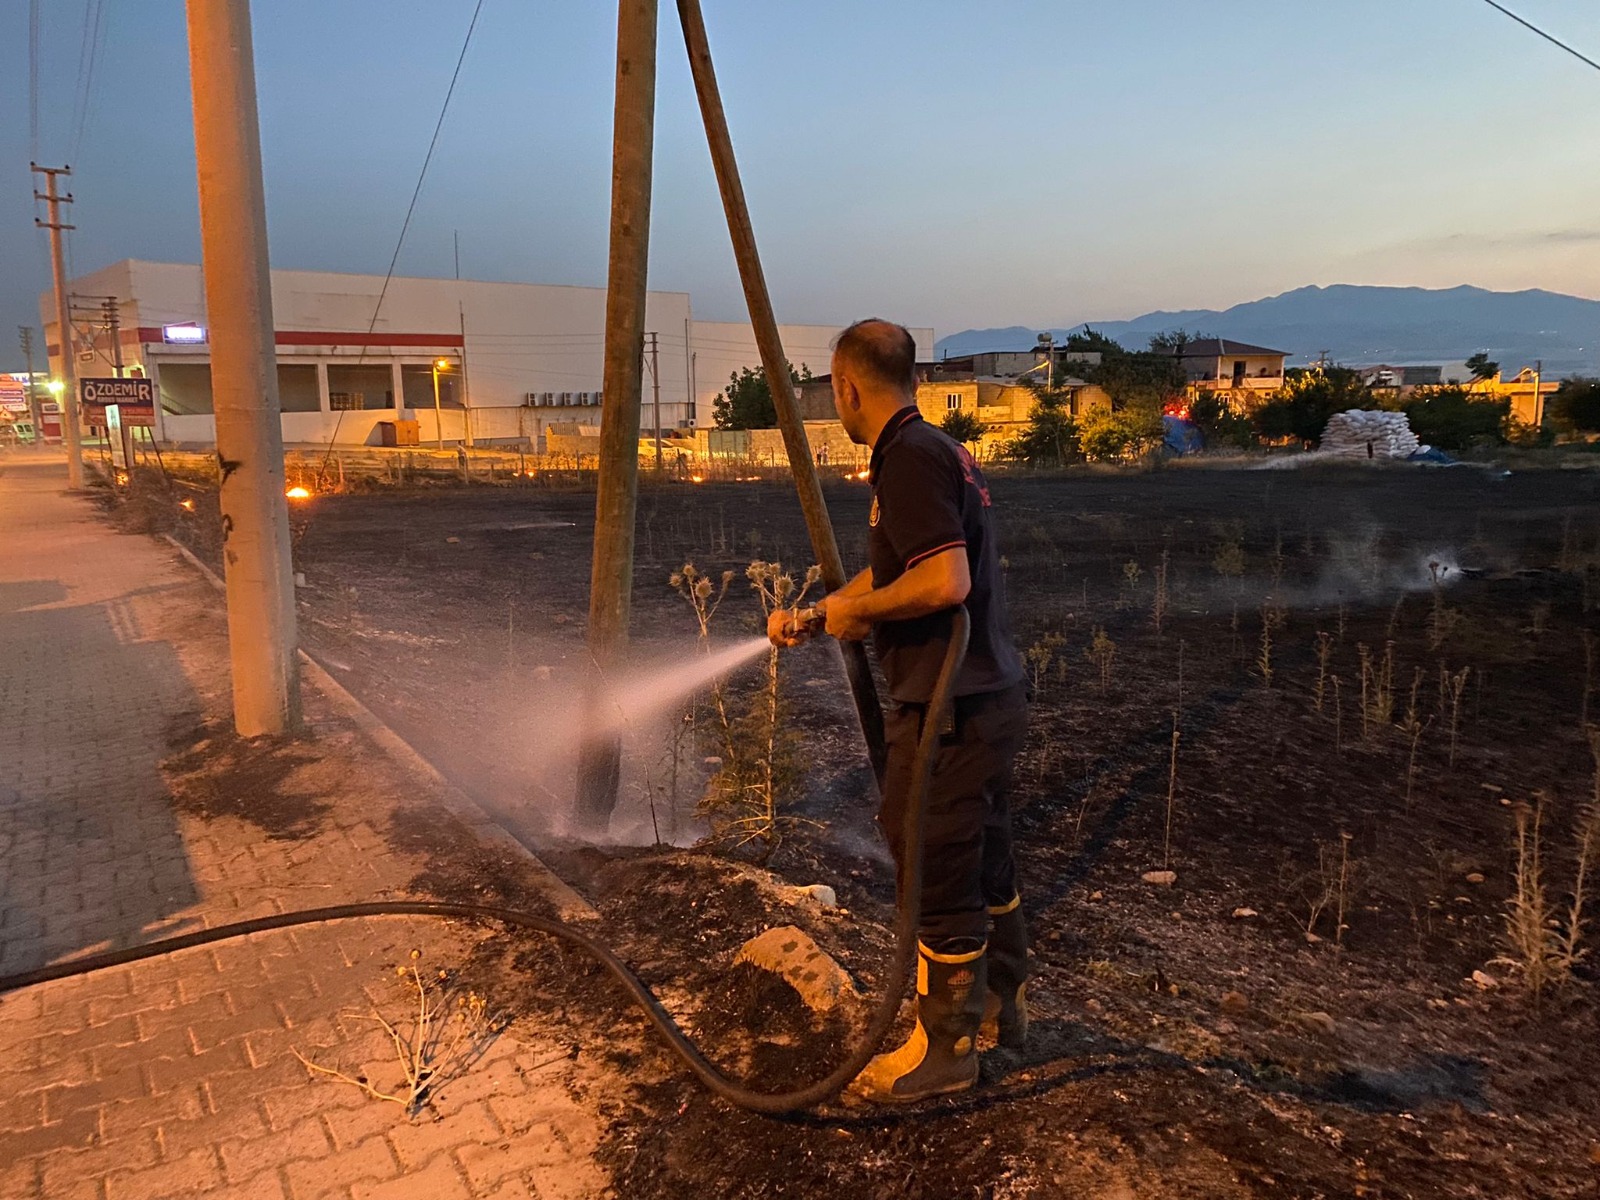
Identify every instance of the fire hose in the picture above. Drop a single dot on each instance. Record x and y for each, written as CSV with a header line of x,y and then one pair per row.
x,y
908,915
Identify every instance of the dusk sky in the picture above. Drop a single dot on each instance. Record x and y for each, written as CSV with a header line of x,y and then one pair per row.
x,y
940,162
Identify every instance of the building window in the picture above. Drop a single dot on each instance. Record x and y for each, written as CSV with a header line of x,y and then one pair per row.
x,y
297,388
186,388
417,381
351,388
952,401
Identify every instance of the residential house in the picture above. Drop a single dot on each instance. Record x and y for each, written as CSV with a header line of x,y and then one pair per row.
x,y
1246,373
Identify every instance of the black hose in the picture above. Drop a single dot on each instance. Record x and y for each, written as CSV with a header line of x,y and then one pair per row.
x,y
908,918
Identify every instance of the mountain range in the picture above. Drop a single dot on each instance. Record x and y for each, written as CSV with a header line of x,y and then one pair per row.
x,y
1361,325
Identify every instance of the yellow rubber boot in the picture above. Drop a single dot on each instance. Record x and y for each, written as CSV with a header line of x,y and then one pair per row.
x,y
1005,1011
941,1055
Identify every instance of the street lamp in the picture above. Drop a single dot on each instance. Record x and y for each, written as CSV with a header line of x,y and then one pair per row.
x,y
439,364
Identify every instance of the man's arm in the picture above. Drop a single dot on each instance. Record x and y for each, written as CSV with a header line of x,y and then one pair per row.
x,y
781,630
938,582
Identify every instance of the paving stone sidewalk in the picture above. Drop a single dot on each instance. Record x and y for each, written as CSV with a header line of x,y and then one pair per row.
x,y
177,1076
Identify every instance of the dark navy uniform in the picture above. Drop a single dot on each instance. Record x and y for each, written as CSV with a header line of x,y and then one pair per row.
x,y
928,497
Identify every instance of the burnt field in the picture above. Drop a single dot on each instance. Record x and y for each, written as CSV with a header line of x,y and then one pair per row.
x,y
1323,700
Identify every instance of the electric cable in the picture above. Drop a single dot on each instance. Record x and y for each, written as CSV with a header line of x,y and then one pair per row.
x,y
1551,38
411,208
908,917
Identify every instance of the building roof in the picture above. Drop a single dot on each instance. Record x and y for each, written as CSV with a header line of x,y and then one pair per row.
x,y
1223,347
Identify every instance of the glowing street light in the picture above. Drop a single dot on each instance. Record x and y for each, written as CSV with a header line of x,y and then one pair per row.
x,y
55,387
439,364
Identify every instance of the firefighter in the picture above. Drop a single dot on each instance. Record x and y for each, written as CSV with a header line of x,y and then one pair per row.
x,y
932,546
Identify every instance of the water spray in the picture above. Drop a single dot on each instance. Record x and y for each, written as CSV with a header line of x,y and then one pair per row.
x,y
908,916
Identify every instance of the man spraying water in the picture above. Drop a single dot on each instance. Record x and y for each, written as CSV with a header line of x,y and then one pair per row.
x,y
932,546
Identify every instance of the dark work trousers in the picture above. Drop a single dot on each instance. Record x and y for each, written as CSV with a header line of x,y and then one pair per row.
x,y
967,862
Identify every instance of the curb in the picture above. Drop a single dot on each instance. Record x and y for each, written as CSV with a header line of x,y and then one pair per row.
x,y
568,903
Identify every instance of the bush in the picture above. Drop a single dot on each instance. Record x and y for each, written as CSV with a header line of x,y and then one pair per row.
x,y
1301,407
1575,407
1221,425
1118,436
1456,420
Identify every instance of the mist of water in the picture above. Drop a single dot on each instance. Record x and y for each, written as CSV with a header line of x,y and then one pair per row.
x,y
636,698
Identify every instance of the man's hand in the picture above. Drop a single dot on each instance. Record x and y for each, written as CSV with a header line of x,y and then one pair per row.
x,y
783,630
843,622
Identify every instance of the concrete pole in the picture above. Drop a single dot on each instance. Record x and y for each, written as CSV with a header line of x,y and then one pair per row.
x,y
244,377
26,333
611,573
775,364
69,365
655,391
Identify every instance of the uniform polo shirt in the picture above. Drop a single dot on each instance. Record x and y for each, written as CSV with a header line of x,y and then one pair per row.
x,y
929,496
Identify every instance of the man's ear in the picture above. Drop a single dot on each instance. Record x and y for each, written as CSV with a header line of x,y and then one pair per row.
x,y
852,395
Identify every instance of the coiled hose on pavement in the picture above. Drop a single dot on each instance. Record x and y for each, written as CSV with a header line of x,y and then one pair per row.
x,y
907,919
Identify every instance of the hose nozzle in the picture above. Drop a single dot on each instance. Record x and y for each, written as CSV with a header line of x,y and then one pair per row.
x,y
808,620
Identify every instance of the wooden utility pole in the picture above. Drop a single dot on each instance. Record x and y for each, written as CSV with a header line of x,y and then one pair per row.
x,y
776,365
69,367
611,573
244,377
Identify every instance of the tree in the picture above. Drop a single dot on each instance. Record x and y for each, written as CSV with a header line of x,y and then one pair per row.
x,y
1309,396
746,403
1576,405
1220,424
1051,438
1172,341
1117,436
963,426
1090,342
1481,367
1455,419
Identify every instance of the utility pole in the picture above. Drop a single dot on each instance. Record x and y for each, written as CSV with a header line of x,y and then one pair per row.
x,y
114,326
26,334
776,365
244,376
1538,395
69,369
616,499
655,386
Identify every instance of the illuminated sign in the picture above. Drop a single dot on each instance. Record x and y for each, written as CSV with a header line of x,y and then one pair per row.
x,y
183,335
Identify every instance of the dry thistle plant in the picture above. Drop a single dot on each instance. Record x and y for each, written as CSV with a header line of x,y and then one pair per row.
x,y
1570,950
704,597
759,769
450,1032
1377,689
1102,652
1324,657
1338,714
1442,619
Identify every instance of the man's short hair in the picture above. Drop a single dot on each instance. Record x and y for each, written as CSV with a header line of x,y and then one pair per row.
x,y
881,351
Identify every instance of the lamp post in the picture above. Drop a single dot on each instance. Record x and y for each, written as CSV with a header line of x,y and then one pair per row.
x,y
439,364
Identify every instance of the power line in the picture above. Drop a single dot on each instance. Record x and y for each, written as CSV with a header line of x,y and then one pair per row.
x,y
1551,38
33,78
417,191
95,42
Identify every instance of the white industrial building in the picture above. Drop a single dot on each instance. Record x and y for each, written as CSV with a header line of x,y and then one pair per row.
x,y
515,357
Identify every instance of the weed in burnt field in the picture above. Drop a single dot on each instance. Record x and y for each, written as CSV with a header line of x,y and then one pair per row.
x,y
1041,656
1413,726
1453,687
1530,921
1442,619
1377,689
1328,891
1324,657
1128,596
1272,619
1102,652
1158,604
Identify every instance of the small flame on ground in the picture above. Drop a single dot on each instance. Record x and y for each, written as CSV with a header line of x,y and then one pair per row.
x,y
298,493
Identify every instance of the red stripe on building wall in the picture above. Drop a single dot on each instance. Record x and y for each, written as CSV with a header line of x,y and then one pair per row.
x,y
333,337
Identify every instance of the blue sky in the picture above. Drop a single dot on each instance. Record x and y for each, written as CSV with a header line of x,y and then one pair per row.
x,y
937,161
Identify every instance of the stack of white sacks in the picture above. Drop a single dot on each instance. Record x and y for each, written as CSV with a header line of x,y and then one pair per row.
x,y
1387,433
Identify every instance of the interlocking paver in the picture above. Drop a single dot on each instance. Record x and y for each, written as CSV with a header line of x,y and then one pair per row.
x,y
176,1076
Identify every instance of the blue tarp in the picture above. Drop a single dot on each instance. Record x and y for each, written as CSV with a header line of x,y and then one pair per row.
x,y
1181,436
